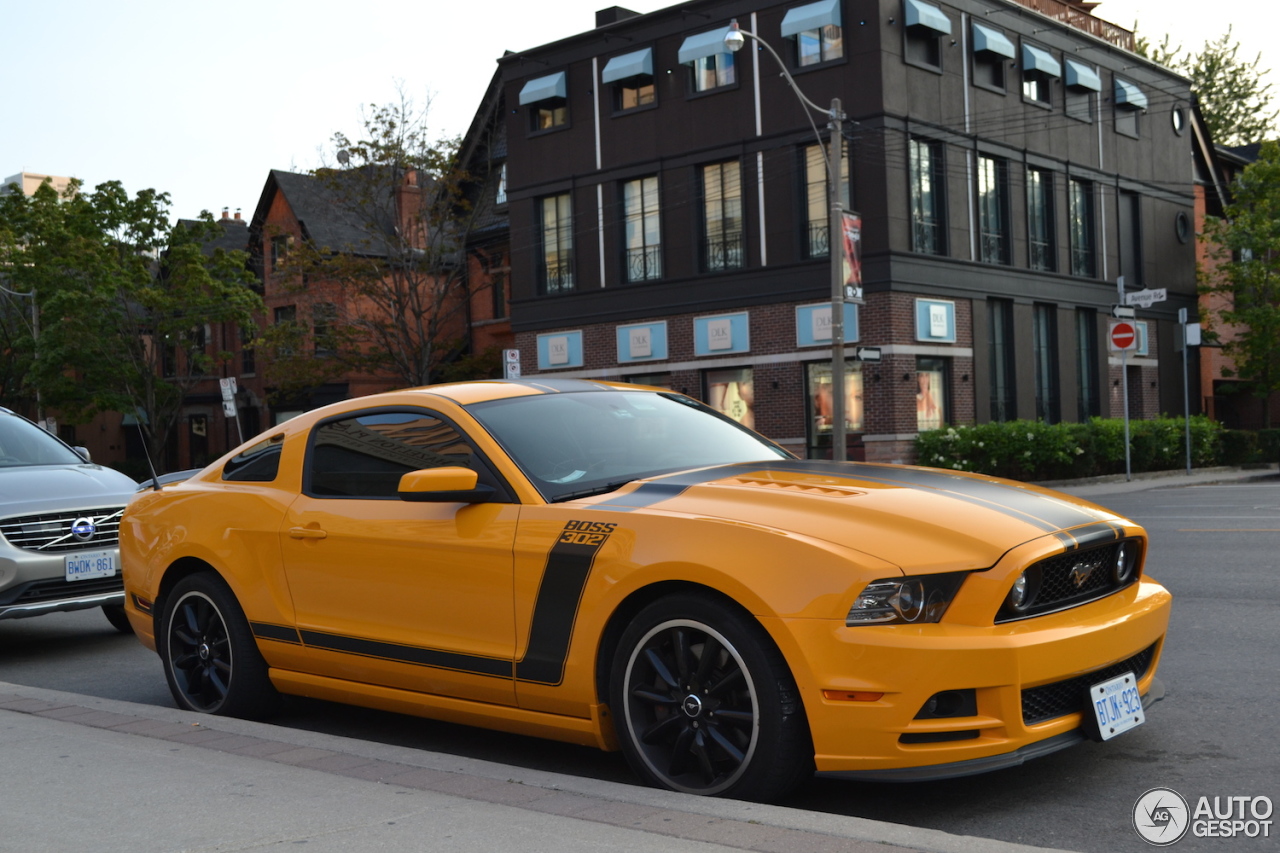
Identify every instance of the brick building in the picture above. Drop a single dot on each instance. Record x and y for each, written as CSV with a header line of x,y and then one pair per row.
x,y
667,205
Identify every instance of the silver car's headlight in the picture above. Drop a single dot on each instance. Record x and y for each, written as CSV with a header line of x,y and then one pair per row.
x,y
905,601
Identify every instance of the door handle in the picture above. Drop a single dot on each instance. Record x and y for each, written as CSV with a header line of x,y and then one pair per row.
x,y
307,533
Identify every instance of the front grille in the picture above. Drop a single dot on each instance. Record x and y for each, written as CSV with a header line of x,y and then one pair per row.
x,y
51,533
56,589
1058,589
1067,697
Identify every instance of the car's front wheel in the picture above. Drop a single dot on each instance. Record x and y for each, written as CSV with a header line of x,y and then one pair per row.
x,y
705,704
211,660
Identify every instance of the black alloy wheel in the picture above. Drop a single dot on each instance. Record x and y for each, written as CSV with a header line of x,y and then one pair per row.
x,y
211,660
705,704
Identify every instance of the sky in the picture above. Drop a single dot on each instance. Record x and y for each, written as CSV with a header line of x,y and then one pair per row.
x,y
201,100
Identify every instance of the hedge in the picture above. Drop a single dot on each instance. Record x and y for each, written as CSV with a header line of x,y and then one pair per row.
x,y
1033,450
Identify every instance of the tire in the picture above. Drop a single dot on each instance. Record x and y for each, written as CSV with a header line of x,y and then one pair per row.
x,y
705,704
210,658
117,618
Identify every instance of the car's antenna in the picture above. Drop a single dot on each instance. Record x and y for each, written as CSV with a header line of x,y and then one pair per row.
x,y
155,479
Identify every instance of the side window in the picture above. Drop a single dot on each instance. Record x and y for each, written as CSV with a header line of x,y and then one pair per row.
x,y
365,456
257,464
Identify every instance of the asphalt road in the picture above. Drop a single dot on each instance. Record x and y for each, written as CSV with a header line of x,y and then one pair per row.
x,y
1216,547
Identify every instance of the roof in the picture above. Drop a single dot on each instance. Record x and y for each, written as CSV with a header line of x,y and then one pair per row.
x,y
317,206
235,235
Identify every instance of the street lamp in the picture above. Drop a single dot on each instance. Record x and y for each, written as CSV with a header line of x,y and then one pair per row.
x,y
734,39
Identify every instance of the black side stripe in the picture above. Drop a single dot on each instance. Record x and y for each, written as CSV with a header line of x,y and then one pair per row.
x,y
436,658
279,633
556,610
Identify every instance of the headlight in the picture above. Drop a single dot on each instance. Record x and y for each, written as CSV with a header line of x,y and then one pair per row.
x,y
1126,563
1024,591
905,601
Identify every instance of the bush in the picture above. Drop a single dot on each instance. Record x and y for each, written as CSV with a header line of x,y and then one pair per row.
x,y
1033,450
1237,446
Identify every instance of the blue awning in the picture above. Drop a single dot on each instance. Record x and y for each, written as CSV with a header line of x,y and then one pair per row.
x,y
922,14
813,16
1129,95
544,88
1081,76
628,65
1038,59
703,44
988,40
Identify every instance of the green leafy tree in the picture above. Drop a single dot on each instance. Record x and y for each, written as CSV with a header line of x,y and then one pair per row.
x,y
385,289
1234,100
124,301
1245,243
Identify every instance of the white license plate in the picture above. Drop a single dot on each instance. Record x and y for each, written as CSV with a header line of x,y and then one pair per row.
x,y
1117,705
91,564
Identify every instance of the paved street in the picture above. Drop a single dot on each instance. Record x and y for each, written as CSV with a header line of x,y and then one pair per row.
x,y
1214,546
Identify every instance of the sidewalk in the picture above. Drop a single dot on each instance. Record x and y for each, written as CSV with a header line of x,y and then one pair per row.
x,y
1116,483
102,775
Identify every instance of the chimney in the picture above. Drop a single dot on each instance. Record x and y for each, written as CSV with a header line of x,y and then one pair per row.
x,y
226,213
613,15
237,214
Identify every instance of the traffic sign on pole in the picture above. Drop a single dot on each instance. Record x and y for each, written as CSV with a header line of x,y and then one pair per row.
x,y
1123,337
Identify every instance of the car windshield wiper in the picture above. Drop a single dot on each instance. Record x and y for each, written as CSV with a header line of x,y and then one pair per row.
x,y
598,490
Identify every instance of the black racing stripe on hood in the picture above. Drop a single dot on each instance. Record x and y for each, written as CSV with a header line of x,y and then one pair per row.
x,y
665,488
1038,510
1094,534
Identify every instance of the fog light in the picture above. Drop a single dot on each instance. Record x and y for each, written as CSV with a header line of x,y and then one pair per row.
x,y
1023,593
1126,562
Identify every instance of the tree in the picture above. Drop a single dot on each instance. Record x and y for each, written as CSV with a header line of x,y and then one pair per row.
x,y
124,301
1234,101
385,288
1245,243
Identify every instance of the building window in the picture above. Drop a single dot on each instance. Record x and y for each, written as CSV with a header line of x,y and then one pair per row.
x,y
1129,223
713,72
555,273
993,209
498,292
924,26
1044,341
732,394
1039,70
817,208
991,50
1004,397
631,76
722,231
643,239
821,45
927,197
1130,102
821,420
279,249
1040,220
324,316
1080,211
1081,85
1088,397
248,337
932,394
547,100
500,195
286,315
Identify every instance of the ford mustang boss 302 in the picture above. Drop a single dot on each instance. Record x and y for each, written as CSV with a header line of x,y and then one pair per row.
x,y
623,567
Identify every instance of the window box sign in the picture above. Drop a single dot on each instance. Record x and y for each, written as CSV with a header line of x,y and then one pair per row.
x,y
813,324
722,335
935,321
560,350
642,342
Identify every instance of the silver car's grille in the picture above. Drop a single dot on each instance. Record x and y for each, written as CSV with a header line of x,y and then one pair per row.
x,y
64,531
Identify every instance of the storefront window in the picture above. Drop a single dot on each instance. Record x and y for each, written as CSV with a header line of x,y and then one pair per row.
x,y
818,376
732,393
931,393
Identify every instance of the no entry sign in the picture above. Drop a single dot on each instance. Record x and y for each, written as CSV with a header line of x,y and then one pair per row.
x,y
1123,336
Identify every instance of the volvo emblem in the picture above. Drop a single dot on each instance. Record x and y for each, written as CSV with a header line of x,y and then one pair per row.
x,y
1080,573
83,529
692,705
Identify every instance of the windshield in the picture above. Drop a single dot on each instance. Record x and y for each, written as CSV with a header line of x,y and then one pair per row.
x,y
24,443
571,445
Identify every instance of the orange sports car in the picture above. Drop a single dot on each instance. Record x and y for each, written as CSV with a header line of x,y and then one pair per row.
x,y
624,567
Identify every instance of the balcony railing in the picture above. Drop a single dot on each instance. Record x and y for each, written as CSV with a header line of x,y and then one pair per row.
x,y
993,248
725,253
819,240
644,263
558,278
926,237
1076,17
1041,256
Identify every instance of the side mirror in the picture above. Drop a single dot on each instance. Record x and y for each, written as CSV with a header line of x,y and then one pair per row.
x,y
444,485
84,453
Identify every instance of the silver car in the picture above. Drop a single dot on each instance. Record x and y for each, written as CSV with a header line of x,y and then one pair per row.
x,y
59,526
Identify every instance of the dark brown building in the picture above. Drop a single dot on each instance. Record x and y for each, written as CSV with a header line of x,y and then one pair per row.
x,y
667,203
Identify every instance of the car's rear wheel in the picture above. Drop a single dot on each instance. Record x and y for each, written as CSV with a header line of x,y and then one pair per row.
x,y
211,660
705,704
116,616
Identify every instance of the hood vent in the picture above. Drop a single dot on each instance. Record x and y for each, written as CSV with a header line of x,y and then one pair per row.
x,y
794,487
